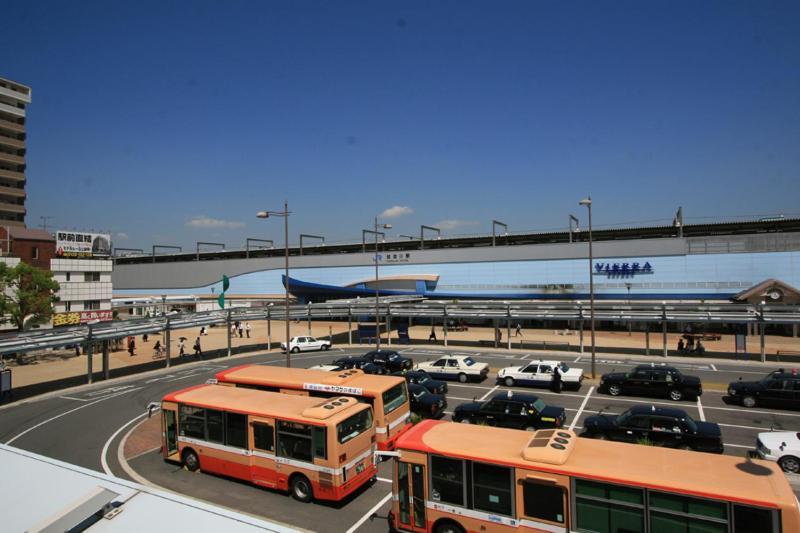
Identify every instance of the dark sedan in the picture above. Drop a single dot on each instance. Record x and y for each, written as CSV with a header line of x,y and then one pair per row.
x,y
668,427
390,359
652,380
778,389
425,403
423,378
360,363
519,411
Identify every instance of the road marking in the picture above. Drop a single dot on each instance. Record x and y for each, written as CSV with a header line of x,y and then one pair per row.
x,y
527,355
754,428
383,479
104,451
580,409
577,359
369,513
739,446
712,367
700,409
488,393
40,424
71,398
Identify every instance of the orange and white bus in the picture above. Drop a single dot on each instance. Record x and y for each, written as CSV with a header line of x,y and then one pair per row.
x,y
315,448
388,395
454,478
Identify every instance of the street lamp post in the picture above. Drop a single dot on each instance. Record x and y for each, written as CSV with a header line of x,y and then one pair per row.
x,y
285,214
377,291
588,203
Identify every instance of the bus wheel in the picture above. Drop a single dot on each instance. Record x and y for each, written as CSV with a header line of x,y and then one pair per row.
x,y
448,527
301,489
190,460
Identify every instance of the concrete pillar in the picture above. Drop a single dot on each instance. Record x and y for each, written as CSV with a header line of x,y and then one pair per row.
x,y
309,320
581,334
105,359
349,326
388,325
794,330
167,334
763,343
444,326
89,355
665,337
508,327
228,333
269,331
647,338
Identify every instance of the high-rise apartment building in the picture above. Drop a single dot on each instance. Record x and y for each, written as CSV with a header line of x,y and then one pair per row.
x,y
14,98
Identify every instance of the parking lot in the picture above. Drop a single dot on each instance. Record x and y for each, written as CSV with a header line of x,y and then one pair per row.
x,y
739,429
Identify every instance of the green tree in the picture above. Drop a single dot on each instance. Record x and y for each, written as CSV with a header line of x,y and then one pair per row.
x,y
27,294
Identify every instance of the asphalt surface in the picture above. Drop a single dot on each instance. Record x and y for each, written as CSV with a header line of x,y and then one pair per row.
x,y
85,426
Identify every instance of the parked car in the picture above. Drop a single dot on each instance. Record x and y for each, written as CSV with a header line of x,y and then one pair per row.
x,y
418,377
668,427
306,344
361,363
540,374
652,380
326,368
390,359
519,411
779,389
782,447
460,367
425,403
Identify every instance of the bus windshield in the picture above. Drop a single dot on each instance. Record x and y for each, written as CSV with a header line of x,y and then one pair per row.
x,y
394,398
354,426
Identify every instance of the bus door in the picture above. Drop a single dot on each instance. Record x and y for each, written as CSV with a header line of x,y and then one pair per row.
x,y
170,431
411,496
262,458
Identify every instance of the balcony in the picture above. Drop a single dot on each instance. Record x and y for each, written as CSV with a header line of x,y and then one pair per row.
x,y
16,95
12,110
12,208
12,126
10,158
12,175
8,141
12,191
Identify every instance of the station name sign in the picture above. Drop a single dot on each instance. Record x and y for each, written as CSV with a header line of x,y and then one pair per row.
x,y
394,258
336,389
622,270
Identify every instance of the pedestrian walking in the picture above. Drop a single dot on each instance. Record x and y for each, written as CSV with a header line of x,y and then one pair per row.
x,y
145,337
681,346
518,332
233,330
557,384
432,336
198,352
240,328
132,346
182,347
247,328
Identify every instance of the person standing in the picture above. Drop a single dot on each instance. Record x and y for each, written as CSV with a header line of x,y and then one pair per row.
x,y
247,328
241,329
557,384
132,346
198,352
182,347
432,336
518,332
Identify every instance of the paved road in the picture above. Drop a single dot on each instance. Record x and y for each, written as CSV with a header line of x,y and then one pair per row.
x,y
79,426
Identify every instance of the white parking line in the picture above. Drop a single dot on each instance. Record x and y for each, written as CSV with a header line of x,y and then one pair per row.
x,y
577,359
369,513
700,409
712,367
580,409
739,446
488,393
754,428
383,479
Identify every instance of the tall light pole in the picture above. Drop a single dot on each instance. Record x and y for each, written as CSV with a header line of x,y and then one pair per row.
x,y
377,291
588,203
285,214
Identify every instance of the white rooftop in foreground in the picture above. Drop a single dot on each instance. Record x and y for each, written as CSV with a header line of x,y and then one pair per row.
x,y
43,494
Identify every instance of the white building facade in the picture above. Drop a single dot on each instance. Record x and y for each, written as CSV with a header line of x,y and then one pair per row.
x,y
86,290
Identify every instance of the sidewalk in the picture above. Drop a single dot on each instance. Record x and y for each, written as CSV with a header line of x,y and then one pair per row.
x,y
56,371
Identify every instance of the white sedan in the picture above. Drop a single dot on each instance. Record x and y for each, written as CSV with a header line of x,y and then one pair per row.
x,y
460,367
326,368
540,374
782,447
305,344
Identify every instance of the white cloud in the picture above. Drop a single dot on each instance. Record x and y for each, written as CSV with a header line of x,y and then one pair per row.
x,y
208,222
397,211
122,236
454,223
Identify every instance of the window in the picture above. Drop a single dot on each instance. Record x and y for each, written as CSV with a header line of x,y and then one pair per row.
x,y
752,520
68,275
236,430
447,480
354,426
682,514
545,369
530,368
216,431
35,252
452,363
604,507
542,501
492,489
192,422
440,362
638,422
263,437
67,306
91,305
320,447
91,276
301,441
394,397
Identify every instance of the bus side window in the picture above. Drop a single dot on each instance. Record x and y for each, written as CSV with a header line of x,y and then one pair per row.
x,y
236,430
263,437
752,520
545,502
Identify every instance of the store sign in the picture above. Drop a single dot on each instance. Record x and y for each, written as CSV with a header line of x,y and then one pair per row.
x,y
79,244
622,270
76,318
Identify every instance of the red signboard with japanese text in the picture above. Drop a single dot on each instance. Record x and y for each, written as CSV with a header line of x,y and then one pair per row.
x,y
75,318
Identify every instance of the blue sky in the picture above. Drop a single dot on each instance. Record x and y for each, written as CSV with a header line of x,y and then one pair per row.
x,y
173,122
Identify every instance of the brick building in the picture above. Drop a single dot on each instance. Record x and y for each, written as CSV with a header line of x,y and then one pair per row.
x,y
33,246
